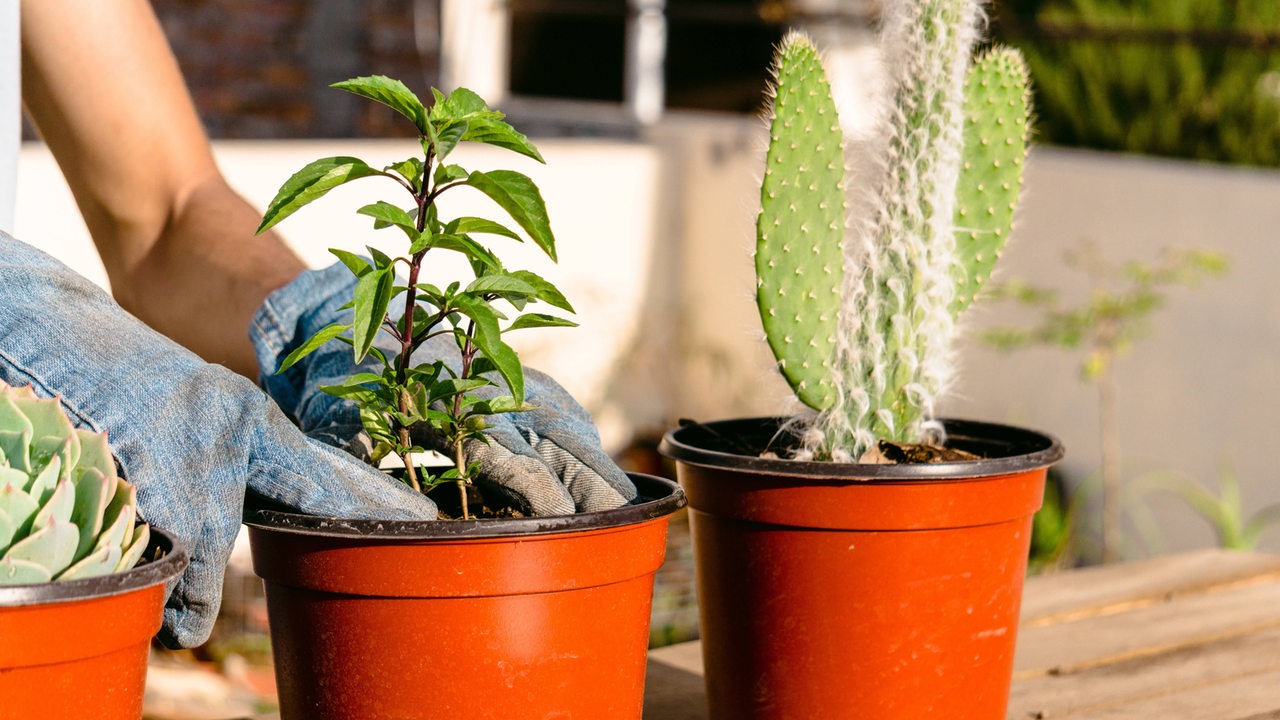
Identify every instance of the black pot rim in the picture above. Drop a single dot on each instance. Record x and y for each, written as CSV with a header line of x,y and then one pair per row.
x,y
663,497
1010,450
172,561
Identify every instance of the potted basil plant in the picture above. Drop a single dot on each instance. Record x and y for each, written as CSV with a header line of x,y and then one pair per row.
x,y
468,617
82,580
866,559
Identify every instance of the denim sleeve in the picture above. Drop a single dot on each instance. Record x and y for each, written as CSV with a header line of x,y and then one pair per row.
x,y
191,436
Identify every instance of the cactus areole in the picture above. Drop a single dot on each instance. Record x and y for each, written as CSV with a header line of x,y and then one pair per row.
x,y
860,313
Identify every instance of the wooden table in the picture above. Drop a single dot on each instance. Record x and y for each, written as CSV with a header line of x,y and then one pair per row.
x,y
1194,636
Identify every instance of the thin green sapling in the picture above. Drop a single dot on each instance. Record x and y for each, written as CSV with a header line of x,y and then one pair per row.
x,y
404,398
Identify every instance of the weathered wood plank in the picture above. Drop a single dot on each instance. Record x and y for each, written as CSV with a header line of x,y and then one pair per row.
x,y
1238,699
1148,630
1187,669
1114,588
673,687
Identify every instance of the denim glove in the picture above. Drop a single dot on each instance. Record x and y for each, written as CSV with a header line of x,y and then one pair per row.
x,y
547,461
189,435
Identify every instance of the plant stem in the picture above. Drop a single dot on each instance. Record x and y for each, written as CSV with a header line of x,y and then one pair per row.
x,y
405,399
1111,479
460,461
462,481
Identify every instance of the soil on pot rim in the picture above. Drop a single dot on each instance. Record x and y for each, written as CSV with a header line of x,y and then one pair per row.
x,y
768,445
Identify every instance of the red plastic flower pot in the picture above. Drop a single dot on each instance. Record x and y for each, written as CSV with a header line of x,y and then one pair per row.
x,y
842,591
77,650
477,619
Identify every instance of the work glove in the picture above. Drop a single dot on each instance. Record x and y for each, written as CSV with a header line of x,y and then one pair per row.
x,y
547,461
189,435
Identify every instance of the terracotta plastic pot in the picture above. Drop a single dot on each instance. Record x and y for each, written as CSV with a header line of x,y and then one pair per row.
x,y
842,591
479,619
77,650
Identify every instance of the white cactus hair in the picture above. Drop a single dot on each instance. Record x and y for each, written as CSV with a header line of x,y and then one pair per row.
x,y
895,330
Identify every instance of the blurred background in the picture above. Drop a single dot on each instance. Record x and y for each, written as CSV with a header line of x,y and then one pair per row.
x,y
1140,321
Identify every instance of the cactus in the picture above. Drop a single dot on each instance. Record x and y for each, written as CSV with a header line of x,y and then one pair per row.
x,y
64,513
800,230
869,347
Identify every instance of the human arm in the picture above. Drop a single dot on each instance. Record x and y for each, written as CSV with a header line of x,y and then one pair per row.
x,y
178,244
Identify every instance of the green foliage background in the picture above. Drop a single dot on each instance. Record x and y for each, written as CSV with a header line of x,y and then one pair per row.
x,y
1193,79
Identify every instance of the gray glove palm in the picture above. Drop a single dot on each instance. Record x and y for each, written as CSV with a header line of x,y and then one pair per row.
x,y
547,461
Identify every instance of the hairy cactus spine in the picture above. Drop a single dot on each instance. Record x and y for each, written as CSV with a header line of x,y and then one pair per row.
x,y
896,322
800,229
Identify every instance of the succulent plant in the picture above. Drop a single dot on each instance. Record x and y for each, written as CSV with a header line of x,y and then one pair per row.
x,y
64,513
862,326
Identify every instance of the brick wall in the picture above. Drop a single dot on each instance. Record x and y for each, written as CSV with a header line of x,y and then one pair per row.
x,y
259,68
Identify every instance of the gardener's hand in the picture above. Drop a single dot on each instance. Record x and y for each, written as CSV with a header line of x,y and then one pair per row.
x,y
547,461
189,435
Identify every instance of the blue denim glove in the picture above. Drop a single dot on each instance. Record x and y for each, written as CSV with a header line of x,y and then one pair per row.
x,y
547,461
189,435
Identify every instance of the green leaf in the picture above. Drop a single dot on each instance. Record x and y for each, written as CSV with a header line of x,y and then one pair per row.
x,y
547,292
535,320
385,214
372,296
482,313
411,171
358,394
381,260
496,132
449,387
363,378
461,104
356,264
474,251
488,337
392,93
466,225
446,138
482,123
449,173
498,405
311,182
519,196
321,337
500,284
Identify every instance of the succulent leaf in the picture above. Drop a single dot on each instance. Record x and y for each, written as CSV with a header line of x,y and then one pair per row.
x,y
14,477
64,513
92,496
94,453
59,506
15,434
52,546
50,428
800,229
131,554
102,561
20,510
22,572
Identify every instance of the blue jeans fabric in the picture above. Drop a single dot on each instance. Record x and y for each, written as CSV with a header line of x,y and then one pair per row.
x,y
189,435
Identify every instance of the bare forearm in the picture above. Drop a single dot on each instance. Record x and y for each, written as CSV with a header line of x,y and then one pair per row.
x,y
107,95
206,274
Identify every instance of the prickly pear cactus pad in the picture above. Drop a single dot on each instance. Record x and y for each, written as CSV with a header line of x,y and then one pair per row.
x,y
64,513
997,121
800,228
